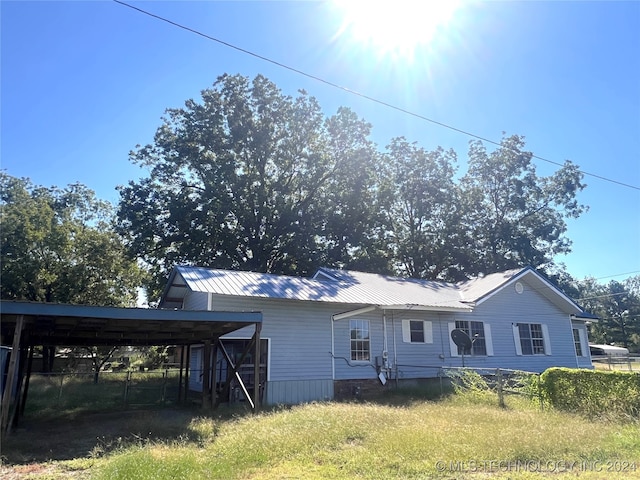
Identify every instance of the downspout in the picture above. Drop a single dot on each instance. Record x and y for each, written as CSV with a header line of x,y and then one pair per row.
x,y
395,349
333,353
385,344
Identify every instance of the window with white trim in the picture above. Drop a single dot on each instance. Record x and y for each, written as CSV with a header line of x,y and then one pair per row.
x,y
531,339
577,341
417,331
360,340
476,333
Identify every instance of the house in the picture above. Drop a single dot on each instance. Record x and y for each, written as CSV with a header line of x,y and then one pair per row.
x,y
340,331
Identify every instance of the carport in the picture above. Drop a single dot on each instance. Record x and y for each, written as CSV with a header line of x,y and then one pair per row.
x,y
24,325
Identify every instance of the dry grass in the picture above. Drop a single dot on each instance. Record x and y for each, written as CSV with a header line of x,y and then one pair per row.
x,y
339,440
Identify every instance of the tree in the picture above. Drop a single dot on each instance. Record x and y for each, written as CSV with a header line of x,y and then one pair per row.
x,y
510,216
250,179
59,245
422,203
617,305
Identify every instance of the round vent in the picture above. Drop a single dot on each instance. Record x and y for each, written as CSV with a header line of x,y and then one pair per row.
x,y
519,287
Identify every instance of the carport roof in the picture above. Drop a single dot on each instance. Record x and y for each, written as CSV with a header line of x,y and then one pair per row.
x,y
62,324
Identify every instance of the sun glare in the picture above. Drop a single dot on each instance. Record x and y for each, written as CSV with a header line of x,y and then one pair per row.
x,y
396,27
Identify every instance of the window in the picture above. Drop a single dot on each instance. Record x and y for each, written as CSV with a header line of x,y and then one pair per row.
x,y
476,333
577,342
360,342
531,339
417,331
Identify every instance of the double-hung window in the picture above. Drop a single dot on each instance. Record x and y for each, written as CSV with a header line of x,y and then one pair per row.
x,y
360,340
476,333
532,339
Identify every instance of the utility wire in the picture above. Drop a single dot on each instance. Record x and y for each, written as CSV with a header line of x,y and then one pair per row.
x,y
353,92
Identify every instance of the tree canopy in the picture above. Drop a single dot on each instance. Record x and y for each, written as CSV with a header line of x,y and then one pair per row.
x,y
249,178
617,305
59,245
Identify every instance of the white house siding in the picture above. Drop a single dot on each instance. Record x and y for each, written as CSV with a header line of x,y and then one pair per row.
x,y
347,369
301,368
299,365
507,308
419,360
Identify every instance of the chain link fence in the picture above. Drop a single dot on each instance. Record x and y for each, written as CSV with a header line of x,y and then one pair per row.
x,y
57,392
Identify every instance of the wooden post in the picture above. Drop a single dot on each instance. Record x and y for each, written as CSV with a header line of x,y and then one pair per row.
x,y
27,379
126,388
256,370
206,375
7,399
500,387
187,371
165,378
182,354
214,373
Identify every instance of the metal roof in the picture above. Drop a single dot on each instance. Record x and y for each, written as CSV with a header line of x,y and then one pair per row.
x,y
354,288
359,288
62,324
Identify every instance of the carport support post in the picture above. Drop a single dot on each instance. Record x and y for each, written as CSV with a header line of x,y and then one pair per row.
x,y
26,380
186,372
11,375
206,375
214,372
182,355
256,370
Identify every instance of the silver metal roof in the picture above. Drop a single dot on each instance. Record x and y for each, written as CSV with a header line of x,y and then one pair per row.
x,y
359,288
354,288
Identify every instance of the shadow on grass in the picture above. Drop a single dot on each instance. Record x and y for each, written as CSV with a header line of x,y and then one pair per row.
x,y
90,434
77,434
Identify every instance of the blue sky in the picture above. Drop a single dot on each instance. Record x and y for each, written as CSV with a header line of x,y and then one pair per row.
x,y
83,83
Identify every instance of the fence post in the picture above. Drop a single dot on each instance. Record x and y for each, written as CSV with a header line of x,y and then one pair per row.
x,y
165,377
60,390
540,399
500,390
126,388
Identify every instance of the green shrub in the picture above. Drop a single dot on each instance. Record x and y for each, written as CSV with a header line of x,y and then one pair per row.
x,y
592,392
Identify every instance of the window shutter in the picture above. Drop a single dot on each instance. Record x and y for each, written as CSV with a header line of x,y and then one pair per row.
x,y
547,339
406,331
428,332
516,338
452,346
487,339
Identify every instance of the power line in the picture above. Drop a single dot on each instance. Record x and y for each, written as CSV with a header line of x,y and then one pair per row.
x,y
353,92
618,275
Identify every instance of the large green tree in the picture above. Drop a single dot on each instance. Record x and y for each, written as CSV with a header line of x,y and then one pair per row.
x,y
617,304
421,204
510,215
59,245
249,178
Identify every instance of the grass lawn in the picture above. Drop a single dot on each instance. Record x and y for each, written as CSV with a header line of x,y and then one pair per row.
x,y
456,437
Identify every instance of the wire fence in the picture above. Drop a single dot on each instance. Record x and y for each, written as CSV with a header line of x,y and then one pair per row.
x,y
500,382
58,392
616,362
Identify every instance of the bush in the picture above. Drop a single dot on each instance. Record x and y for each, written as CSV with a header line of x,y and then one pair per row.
x,y
593,393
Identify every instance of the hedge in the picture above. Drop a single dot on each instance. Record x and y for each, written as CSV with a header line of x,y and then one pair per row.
x,y
592,392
